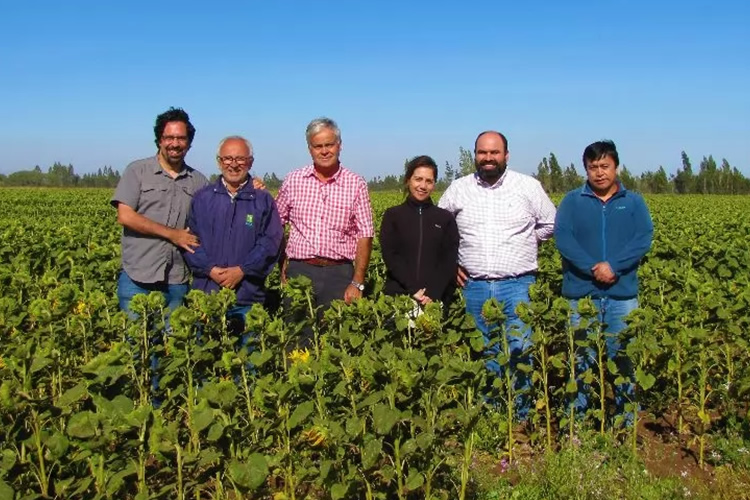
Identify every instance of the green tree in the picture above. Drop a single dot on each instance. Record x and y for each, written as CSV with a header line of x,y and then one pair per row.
x,y
684,179
571,179
626,178
465,162
555,175
542,174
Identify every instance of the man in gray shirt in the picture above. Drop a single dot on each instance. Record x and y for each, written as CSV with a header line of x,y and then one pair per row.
x,y
152,200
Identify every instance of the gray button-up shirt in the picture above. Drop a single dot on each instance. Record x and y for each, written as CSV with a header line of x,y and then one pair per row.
x,y
151,192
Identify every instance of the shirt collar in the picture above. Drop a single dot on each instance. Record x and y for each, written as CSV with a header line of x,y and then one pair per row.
x,y
309,171
621,190
185,171
224,183
481,183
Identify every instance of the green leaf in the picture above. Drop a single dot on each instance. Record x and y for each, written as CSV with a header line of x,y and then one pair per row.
x,y
39,363
384,418
202,418
556,362
259,358
57,444
215,432
353,426
409,447
356,340
371,453
301,413
414,480
83,425
424,440
325,469
526,368
338,491
249,475
72,395
116,481
571,387
704,417
8,460
6,492
645,380
612,367
477,344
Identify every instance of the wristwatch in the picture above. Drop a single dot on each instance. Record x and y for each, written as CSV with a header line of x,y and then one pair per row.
x,y
358,286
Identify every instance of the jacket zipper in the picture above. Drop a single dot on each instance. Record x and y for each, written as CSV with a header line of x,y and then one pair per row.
x,y
604,232
419,247
231,225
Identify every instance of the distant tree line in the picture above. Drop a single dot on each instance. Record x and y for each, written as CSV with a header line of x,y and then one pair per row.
x,y
710,178
59,175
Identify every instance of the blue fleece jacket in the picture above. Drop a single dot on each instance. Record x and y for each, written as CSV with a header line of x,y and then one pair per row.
x,y
243,232
589,231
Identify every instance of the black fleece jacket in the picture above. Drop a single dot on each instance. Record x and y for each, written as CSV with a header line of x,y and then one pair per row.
x,y
419,243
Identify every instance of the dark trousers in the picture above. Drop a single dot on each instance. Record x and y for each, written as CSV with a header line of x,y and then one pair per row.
x,y
329,283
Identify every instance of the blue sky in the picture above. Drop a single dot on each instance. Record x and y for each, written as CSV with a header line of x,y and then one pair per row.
x,y
81,82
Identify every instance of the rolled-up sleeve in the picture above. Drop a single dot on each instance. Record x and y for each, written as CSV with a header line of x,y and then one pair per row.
x,y
363,212
128,190
545,214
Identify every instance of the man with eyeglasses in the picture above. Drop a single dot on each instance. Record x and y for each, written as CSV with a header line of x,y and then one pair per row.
x,y
327,207
239,230
152,200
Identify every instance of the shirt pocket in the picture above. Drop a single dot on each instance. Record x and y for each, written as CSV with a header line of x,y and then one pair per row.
x,y
340,217
153,202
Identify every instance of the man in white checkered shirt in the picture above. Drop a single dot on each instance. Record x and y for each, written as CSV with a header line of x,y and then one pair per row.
x,y
502,215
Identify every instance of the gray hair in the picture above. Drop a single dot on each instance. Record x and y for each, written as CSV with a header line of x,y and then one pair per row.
x,y
318,124
234,138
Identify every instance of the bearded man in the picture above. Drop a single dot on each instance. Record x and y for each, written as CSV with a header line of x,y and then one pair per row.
x,y
502,216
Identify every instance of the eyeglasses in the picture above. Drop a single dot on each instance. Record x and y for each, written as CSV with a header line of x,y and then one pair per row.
x,y
174,138
239,160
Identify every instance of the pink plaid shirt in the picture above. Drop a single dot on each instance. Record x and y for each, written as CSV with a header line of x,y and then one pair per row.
x,y
500,225
326,218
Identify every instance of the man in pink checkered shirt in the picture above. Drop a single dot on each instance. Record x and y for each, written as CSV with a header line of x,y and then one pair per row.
x,y
328,210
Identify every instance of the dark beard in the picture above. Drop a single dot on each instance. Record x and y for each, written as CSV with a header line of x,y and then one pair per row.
x,y
491,176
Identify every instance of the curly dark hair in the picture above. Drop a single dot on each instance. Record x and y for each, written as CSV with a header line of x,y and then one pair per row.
x,y
173,115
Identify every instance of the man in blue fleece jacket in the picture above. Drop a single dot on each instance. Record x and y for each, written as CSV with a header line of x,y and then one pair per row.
x,y
239,230
602,231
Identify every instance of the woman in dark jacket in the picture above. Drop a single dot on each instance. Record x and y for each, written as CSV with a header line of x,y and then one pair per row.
x,y
419,240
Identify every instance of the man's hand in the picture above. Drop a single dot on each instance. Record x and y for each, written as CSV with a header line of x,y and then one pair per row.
x,y
461,277
215,275
258,183
351,293
231,277
282,270
603,273
227,277
184,239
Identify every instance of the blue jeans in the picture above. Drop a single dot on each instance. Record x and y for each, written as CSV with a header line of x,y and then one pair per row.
x,y
174,296
127,289
612,314
236,318
509,292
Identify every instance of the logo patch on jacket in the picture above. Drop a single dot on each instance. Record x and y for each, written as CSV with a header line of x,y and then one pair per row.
x,y
249,220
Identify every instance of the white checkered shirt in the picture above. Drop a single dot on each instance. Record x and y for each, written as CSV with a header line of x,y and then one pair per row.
x,y
326,218
500,225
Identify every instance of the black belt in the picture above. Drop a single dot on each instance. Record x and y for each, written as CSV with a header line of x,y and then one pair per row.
x,y
323,262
